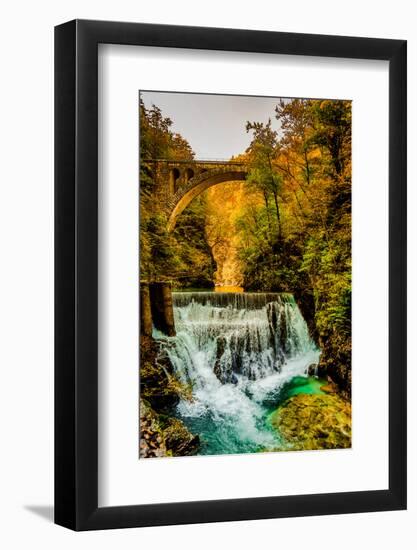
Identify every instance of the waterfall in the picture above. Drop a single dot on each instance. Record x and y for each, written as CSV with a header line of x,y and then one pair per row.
x,y
236,350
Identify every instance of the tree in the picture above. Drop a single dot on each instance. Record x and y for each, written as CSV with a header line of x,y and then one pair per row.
x,y
296,236
165,255
261,172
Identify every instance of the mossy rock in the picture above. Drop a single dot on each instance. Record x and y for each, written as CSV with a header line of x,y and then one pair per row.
x,y
158,382
314,422
162,435
179,440
158,387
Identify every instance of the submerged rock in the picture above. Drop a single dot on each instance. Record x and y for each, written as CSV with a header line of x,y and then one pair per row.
x,y
330,387
314,421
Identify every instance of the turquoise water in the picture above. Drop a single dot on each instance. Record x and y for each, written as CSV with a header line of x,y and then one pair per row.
x,y
220,436
302,384
243,354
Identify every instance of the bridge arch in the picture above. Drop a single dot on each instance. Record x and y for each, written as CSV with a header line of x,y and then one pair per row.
x,y
199,183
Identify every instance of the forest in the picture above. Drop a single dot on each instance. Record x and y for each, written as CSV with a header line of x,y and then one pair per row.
x,y
285,230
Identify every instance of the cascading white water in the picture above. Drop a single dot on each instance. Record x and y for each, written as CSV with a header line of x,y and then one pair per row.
x,y
236,350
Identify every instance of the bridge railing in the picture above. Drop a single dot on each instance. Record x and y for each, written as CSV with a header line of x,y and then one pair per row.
x,y
195,161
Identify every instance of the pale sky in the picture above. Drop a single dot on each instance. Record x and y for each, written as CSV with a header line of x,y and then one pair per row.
x,y
214,125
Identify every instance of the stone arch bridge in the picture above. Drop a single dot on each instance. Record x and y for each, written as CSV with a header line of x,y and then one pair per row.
x,y
180,181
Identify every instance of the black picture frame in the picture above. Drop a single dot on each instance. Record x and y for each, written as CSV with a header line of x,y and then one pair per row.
x,y
76,272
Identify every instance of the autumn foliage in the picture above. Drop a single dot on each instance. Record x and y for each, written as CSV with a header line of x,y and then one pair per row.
x,y
286,228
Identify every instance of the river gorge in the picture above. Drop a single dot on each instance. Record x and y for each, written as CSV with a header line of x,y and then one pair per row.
x,y
262,361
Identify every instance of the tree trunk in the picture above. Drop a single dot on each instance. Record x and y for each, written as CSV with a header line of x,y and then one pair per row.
x,y
274,192
267,212
278,216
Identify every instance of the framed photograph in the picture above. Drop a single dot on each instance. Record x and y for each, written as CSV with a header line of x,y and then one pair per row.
x,y
230,247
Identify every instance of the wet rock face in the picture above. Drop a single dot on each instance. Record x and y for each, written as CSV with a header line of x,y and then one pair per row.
x,y
309,422
156,382
312,369
225,375
164,436
336,363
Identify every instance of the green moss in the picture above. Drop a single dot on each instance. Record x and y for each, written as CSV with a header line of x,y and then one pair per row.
x,y
318,421
158,383
179,440
157,386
